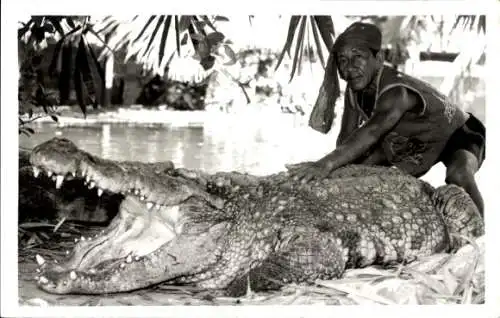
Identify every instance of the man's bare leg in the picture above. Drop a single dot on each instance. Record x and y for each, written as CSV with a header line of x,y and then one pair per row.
x,y
460,170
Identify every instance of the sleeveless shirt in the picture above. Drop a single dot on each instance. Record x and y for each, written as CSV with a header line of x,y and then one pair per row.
x,y
416,142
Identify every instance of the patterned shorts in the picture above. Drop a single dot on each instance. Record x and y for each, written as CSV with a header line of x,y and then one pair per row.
x,y
471,137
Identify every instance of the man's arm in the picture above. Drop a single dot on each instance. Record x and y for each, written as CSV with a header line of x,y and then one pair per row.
x,y
348,124
391,107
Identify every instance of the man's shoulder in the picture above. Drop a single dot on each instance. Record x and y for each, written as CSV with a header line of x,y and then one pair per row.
x,y
399,96
391,77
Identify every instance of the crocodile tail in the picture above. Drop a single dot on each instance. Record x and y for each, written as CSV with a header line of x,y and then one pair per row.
x,y
460,214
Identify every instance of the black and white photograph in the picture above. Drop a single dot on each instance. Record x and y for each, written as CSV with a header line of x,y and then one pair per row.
x,y
249,159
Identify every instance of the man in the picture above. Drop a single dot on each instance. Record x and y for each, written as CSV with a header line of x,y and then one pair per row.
x,y
391,118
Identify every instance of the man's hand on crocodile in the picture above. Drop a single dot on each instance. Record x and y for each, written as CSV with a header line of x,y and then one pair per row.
x,y
313,170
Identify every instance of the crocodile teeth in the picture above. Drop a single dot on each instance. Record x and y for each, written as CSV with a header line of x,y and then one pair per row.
x,y
92,271
143,197
82,238
122,265
40,260
67,252
73,174
36,171
158,207
129,259
149,205
91,184
87,178
99,191
50,173
72,275
38,270
43,280
136,191
59,181
76,240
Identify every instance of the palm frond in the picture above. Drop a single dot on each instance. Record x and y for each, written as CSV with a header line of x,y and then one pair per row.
x,y
152,38
310,27
470,22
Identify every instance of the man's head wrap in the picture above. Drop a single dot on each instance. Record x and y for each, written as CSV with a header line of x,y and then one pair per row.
x,y
358,34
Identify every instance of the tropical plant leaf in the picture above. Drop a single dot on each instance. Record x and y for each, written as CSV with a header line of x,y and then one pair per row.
x,y
109,24
177,35
79,91
97,64
153,35
200,25
184,39
55,64
38,20
70,22
482,23
215,38
22,31
298,48
207,62
96,71
197,37
469,21
230,53
66,72
208,22
82,63
94,33
150,20
201,30
221,18
56,22
294,21
317,42
325,27
184,23
163,40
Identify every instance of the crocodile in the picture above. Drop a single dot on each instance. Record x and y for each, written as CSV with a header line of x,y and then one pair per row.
x,y
229,231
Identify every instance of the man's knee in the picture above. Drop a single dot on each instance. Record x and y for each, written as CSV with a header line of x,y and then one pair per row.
x,y
460,177
461,168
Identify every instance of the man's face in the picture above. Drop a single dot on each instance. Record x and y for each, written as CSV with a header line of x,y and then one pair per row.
x,y
357,66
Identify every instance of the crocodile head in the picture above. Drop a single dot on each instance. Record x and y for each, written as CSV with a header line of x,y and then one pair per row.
x,y
145,243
